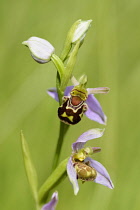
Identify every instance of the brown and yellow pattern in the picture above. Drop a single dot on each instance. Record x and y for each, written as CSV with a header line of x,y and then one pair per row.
x,y
84,171
73,106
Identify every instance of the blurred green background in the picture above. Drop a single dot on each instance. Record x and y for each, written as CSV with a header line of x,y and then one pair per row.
x,y
109,57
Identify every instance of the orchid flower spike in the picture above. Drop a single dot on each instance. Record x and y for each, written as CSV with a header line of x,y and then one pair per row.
x,y
52,204
41,50
82,166
79,100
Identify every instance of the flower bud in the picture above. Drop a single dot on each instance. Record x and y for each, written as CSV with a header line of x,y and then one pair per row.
x,y
41,49
81,30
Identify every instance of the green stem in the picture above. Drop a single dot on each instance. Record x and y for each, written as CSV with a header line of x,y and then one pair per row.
x,y
38,207
63,130
60,89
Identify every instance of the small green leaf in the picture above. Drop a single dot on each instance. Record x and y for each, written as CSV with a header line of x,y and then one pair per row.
x,y
69,67
29,167
54,179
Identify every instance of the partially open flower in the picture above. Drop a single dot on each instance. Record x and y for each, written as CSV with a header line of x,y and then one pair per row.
x,y
52,204
81,30
41,50
81,166
77,101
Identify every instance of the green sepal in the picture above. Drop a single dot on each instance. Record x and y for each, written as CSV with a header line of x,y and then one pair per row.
x,y
54,179
29,168
68,42
70,66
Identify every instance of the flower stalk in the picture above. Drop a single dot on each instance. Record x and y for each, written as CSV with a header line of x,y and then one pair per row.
x,y
61,84
62,132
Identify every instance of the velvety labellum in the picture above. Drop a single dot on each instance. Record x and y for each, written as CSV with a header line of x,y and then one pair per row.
x,y
84,171
73,106
72,109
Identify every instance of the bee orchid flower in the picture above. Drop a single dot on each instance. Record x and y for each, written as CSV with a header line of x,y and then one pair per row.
x,y
82,166
78,101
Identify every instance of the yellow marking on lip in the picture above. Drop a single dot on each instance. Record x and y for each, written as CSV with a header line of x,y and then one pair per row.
x,y
69,117
64,114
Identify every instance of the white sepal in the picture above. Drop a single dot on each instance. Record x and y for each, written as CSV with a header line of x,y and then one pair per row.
x,y
41,50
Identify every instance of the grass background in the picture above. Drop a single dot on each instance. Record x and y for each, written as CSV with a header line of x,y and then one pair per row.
x,y
109,57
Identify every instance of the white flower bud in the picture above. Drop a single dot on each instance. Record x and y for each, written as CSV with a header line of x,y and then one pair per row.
x,y
81,30
41,49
